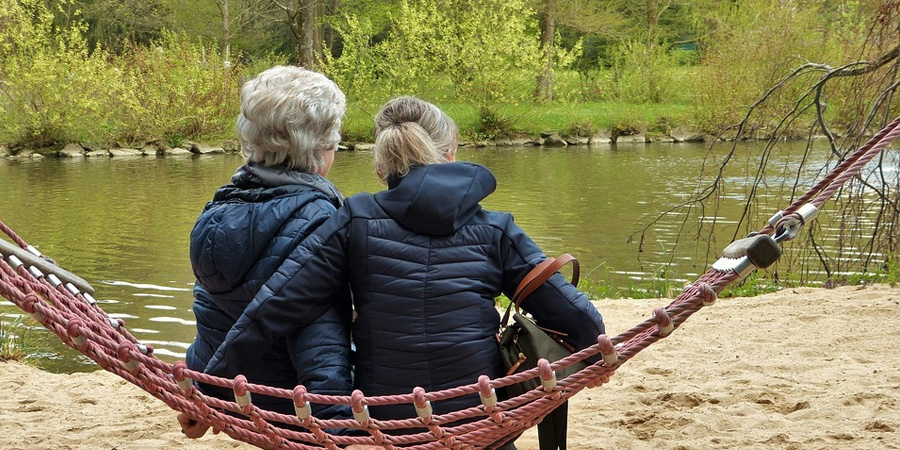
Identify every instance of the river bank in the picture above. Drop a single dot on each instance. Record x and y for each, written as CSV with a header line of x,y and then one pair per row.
x,y
160,148
800,368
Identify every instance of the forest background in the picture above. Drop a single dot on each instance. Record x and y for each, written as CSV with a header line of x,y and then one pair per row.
x,y
117,72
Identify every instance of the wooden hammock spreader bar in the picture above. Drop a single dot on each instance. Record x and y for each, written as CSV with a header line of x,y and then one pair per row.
x,y
33,258
81,324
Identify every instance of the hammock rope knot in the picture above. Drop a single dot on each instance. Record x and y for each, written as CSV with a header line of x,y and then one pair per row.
x,y
322,437
663,321
359,408
422,405
548,375
707,293
607,350
241,395
302,407
75,335
28,304
487,393
123,352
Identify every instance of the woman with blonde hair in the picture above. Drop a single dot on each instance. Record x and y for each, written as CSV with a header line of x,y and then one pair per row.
x,y
424,261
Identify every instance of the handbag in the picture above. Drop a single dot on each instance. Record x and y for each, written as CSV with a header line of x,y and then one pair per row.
x,y
523,343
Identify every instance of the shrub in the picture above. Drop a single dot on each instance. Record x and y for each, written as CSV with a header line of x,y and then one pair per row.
x,y
182,88
54,90
484,52
357,70
492,124
643,72
581,128
752,45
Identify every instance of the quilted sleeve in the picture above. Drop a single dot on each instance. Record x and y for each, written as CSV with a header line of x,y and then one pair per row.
x,y
300,292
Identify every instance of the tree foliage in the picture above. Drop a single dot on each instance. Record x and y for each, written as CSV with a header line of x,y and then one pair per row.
x,y
750,43
113,23
426,50
183,89
480,55
56,90
53,89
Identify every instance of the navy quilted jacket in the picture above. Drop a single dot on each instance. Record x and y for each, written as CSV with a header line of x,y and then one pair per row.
x,y
425,263
240,239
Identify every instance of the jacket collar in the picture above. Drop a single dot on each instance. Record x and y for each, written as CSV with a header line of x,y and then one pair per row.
x,y
256,179
437,199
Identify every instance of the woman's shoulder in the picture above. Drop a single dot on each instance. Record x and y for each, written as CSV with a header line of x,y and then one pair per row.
x,y
500,219
361,203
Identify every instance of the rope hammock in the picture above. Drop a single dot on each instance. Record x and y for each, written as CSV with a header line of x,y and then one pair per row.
x,y
63,303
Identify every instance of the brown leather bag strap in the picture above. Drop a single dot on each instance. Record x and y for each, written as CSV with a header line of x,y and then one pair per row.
x,y
538,276
541,273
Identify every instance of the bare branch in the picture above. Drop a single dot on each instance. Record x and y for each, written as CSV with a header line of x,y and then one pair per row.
x,y
868,242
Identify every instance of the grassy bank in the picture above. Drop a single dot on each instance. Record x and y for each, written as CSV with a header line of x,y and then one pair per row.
x,y
532,119
175,118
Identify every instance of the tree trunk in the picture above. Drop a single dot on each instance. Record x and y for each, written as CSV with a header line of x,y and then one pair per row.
x,y
652,15
328,33
306,33
319,31
544,90
226,33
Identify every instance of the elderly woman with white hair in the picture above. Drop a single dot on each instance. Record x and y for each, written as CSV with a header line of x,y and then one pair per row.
x,y
289,130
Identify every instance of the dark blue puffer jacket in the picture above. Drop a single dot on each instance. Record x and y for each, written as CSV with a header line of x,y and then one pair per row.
x,y
240,239
425,263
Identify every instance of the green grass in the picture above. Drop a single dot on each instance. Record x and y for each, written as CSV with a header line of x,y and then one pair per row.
x,y
18,340
583,103
531,119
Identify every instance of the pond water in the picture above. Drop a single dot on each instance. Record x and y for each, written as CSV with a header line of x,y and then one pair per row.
x,y
123,223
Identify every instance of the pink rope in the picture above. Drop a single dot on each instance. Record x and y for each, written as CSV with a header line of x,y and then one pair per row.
x,y
12,235
88,329
85,327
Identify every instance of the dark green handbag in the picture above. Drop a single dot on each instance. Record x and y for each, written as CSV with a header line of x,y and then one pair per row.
x,y
523,343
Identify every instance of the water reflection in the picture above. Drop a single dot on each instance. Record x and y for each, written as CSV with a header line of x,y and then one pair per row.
x,y
123,224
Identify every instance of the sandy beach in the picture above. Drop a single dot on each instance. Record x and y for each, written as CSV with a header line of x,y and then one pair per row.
x,y
799,369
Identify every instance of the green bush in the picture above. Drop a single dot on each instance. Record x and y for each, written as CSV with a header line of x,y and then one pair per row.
x,y
644,72
746,53
492,124
54,90
356,70
440,56
580,128
182,88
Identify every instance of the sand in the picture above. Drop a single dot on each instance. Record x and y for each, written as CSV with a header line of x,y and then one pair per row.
x,y
799,369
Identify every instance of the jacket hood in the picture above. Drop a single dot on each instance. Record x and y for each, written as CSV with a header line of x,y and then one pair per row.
x,y
256,217
437,199
254,182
